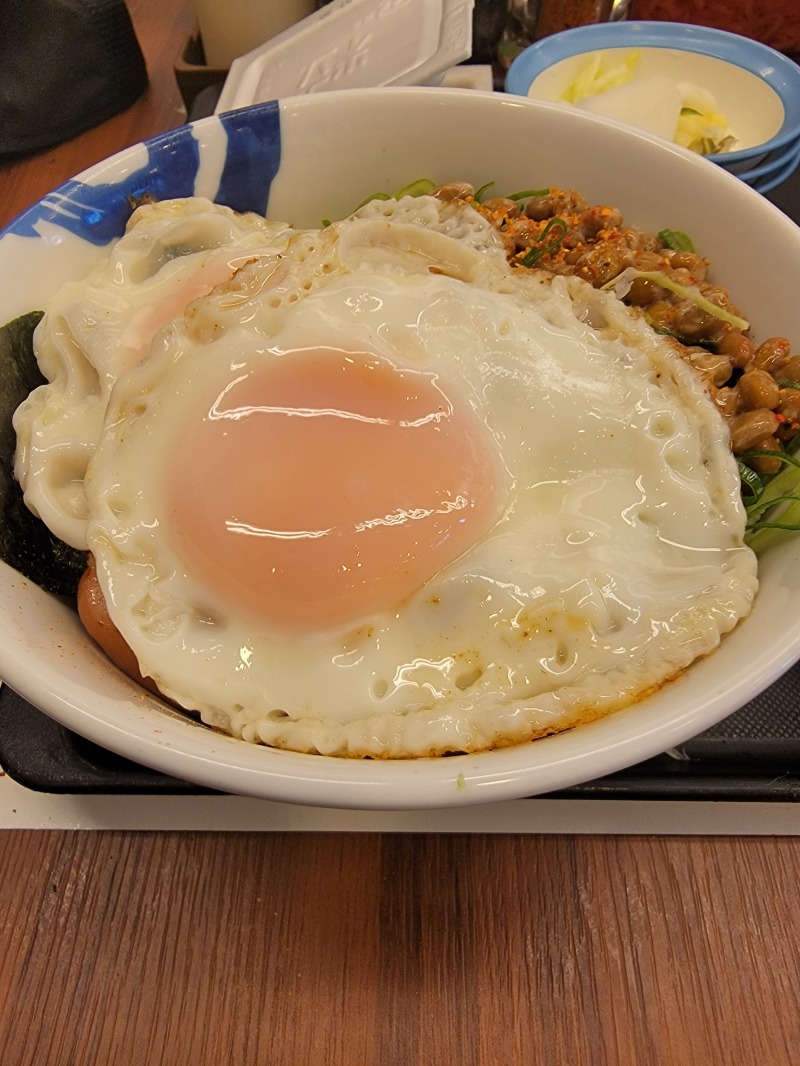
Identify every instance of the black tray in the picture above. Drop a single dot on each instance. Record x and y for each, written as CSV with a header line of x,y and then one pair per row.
x,y
752,755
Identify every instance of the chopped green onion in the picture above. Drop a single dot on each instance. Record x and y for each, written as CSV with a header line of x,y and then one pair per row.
x,y
527,194
751,482
758,545
479,193
784,383
374,196
756,453
762,534
538,250
420,187
686,292
676,240
710,346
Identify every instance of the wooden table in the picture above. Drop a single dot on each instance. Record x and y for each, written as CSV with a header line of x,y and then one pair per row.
x,y
383,950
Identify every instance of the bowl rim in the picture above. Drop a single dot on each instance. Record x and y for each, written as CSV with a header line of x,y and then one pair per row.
x,y
777,70
597,748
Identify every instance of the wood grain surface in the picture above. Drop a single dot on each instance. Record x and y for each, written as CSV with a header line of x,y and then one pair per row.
x,y
398,950
164,949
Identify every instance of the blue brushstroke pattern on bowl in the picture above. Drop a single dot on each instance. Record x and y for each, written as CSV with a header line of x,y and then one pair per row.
x,y
98,212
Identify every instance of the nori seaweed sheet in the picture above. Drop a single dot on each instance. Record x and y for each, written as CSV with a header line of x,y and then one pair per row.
x,y
26,543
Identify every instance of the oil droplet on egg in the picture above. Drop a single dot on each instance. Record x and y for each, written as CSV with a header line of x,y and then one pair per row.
x,y
324,485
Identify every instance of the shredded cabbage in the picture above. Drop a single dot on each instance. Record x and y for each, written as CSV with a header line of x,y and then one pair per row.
x,y
705,134
699,124
596,76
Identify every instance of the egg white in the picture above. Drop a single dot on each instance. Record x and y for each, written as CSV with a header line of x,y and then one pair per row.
x,y
616,559
97,328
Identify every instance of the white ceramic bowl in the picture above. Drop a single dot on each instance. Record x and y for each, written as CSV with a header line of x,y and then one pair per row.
x,y
756,88
317,156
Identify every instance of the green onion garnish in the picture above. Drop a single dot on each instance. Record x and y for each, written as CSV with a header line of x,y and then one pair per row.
x,y
752,484
686,292
676,240
538,250
420,187
527,194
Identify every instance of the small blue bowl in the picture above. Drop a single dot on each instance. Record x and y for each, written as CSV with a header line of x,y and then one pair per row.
x,y
770,164
788,165
761,165
772,69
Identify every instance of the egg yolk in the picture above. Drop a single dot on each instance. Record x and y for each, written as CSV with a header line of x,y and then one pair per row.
x,y
326,485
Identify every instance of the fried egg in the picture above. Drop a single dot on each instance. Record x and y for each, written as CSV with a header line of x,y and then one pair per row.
x,y
379,494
